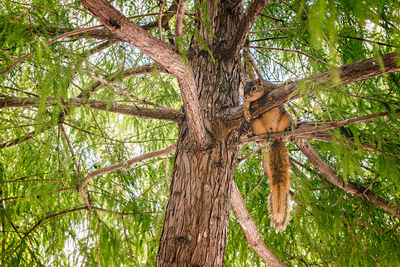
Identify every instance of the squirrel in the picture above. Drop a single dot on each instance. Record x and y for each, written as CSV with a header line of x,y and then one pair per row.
x,y
277,161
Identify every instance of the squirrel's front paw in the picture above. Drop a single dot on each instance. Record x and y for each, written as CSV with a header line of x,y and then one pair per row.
x,y
247,116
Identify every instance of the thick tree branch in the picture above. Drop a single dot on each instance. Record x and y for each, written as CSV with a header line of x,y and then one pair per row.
x,y
349,187
140,112
252,12
250,229
349,73
160,52
307,128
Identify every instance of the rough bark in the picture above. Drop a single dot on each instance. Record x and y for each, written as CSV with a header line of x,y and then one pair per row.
x,y
196,217
197,214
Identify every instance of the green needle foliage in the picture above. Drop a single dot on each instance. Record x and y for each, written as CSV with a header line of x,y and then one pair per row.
x,y
49,147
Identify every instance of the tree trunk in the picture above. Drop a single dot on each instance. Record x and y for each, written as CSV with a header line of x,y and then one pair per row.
x,y
196,218
197,214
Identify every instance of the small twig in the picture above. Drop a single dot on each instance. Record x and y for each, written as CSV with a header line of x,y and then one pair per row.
x,y
166,171
361,97
274,30
85,198
23,138
289,50
365,40
255,188
252,63
126,213
70,148
14,199
134,98
269,38
160,19
127,242
87,239
38,180
126,164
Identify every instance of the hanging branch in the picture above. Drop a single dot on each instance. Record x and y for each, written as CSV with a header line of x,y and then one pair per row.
x,y
250,229
349,187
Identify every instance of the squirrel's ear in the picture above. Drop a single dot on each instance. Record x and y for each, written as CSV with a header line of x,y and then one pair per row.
x,y
259,81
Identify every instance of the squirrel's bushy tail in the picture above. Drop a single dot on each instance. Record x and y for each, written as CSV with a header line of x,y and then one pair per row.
x,y
278,170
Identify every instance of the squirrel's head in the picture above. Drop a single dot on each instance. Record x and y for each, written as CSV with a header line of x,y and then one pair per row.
x,y
253,90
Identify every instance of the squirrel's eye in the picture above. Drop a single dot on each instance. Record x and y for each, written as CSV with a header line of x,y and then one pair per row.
x,y
253,89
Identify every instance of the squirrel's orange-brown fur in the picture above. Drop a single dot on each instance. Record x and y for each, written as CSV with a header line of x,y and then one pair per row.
x,y
278,166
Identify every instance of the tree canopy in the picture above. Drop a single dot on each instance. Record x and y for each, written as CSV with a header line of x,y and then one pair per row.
x,y
92,108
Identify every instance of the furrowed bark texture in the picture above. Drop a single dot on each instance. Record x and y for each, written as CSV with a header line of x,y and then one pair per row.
x,y
196,219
